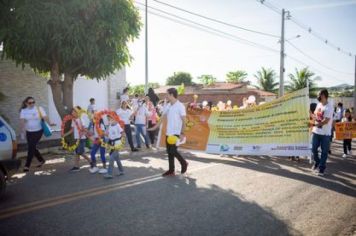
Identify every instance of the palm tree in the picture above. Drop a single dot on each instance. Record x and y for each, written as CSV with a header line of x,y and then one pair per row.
x,y
266,79
300,80
238,76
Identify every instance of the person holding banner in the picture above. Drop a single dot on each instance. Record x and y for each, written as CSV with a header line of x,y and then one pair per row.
x,y
322,126
175,114
347,142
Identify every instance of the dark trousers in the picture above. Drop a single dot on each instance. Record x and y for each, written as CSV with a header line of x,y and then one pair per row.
x,y
347,145
129,135
151,134
172,151
32,140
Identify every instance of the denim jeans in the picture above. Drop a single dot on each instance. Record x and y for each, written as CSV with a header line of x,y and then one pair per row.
x,y
94,150
129,135
141,129
322,141
115,156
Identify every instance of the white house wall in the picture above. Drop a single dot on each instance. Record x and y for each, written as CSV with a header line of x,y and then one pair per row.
x,y
104,92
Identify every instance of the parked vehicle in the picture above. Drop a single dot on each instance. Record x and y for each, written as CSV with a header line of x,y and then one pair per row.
x,y
8,149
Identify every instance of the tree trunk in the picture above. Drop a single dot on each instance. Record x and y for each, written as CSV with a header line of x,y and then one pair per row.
x,y
67,90
56,87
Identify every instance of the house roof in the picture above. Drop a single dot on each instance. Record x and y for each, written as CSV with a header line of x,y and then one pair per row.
x,y
218,87
163,89
199,88
262,93
224,86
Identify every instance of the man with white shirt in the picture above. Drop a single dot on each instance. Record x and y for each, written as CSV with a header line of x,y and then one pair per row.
x,y
126,115
141,116
175,113
323,119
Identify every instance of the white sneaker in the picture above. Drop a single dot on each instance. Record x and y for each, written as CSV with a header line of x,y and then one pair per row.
x,y
103,171
94,170
350,153
344,156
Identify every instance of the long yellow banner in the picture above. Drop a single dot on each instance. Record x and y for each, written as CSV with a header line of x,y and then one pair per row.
x,y
279,127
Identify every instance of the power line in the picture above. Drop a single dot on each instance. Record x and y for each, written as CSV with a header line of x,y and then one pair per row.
x,y
239,39
219,33
189,25
306,28
313,68
217,21
313,59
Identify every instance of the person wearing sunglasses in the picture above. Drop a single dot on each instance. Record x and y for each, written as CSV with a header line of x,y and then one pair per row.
x,y
30,122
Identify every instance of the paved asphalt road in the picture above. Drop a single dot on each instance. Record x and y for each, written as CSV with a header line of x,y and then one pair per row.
x,y
218,196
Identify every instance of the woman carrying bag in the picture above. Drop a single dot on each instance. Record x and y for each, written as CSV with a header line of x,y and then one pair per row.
x,y
34,122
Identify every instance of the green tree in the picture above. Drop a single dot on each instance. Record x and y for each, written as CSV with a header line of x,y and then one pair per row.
x,y
68,38
179,78
137,89
207,79
140,89
300,80
266,79
238,76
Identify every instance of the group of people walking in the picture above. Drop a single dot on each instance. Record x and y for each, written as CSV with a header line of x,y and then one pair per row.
x,y
146,114
142,112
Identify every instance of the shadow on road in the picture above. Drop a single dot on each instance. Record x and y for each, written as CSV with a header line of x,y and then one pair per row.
x,y
339,176
163,206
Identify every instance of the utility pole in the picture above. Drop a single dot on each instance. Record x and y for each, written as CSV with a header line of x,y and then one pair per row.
x,y
281,69
146,50
354,115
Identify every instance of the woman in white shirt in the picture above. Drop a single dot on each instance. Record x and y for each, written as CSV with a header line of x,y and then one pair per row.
x,y
126,115
30,121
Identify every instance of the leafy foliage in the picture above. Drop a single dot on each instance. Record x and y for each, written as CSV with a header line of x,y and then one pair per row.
x,y
238,76
300,80
207,79
179,78
67,38
140,89
266,79
86,37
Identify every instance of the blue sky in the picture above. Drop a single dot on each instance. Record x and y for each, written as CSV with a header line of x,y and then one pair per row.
x,y
174,47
